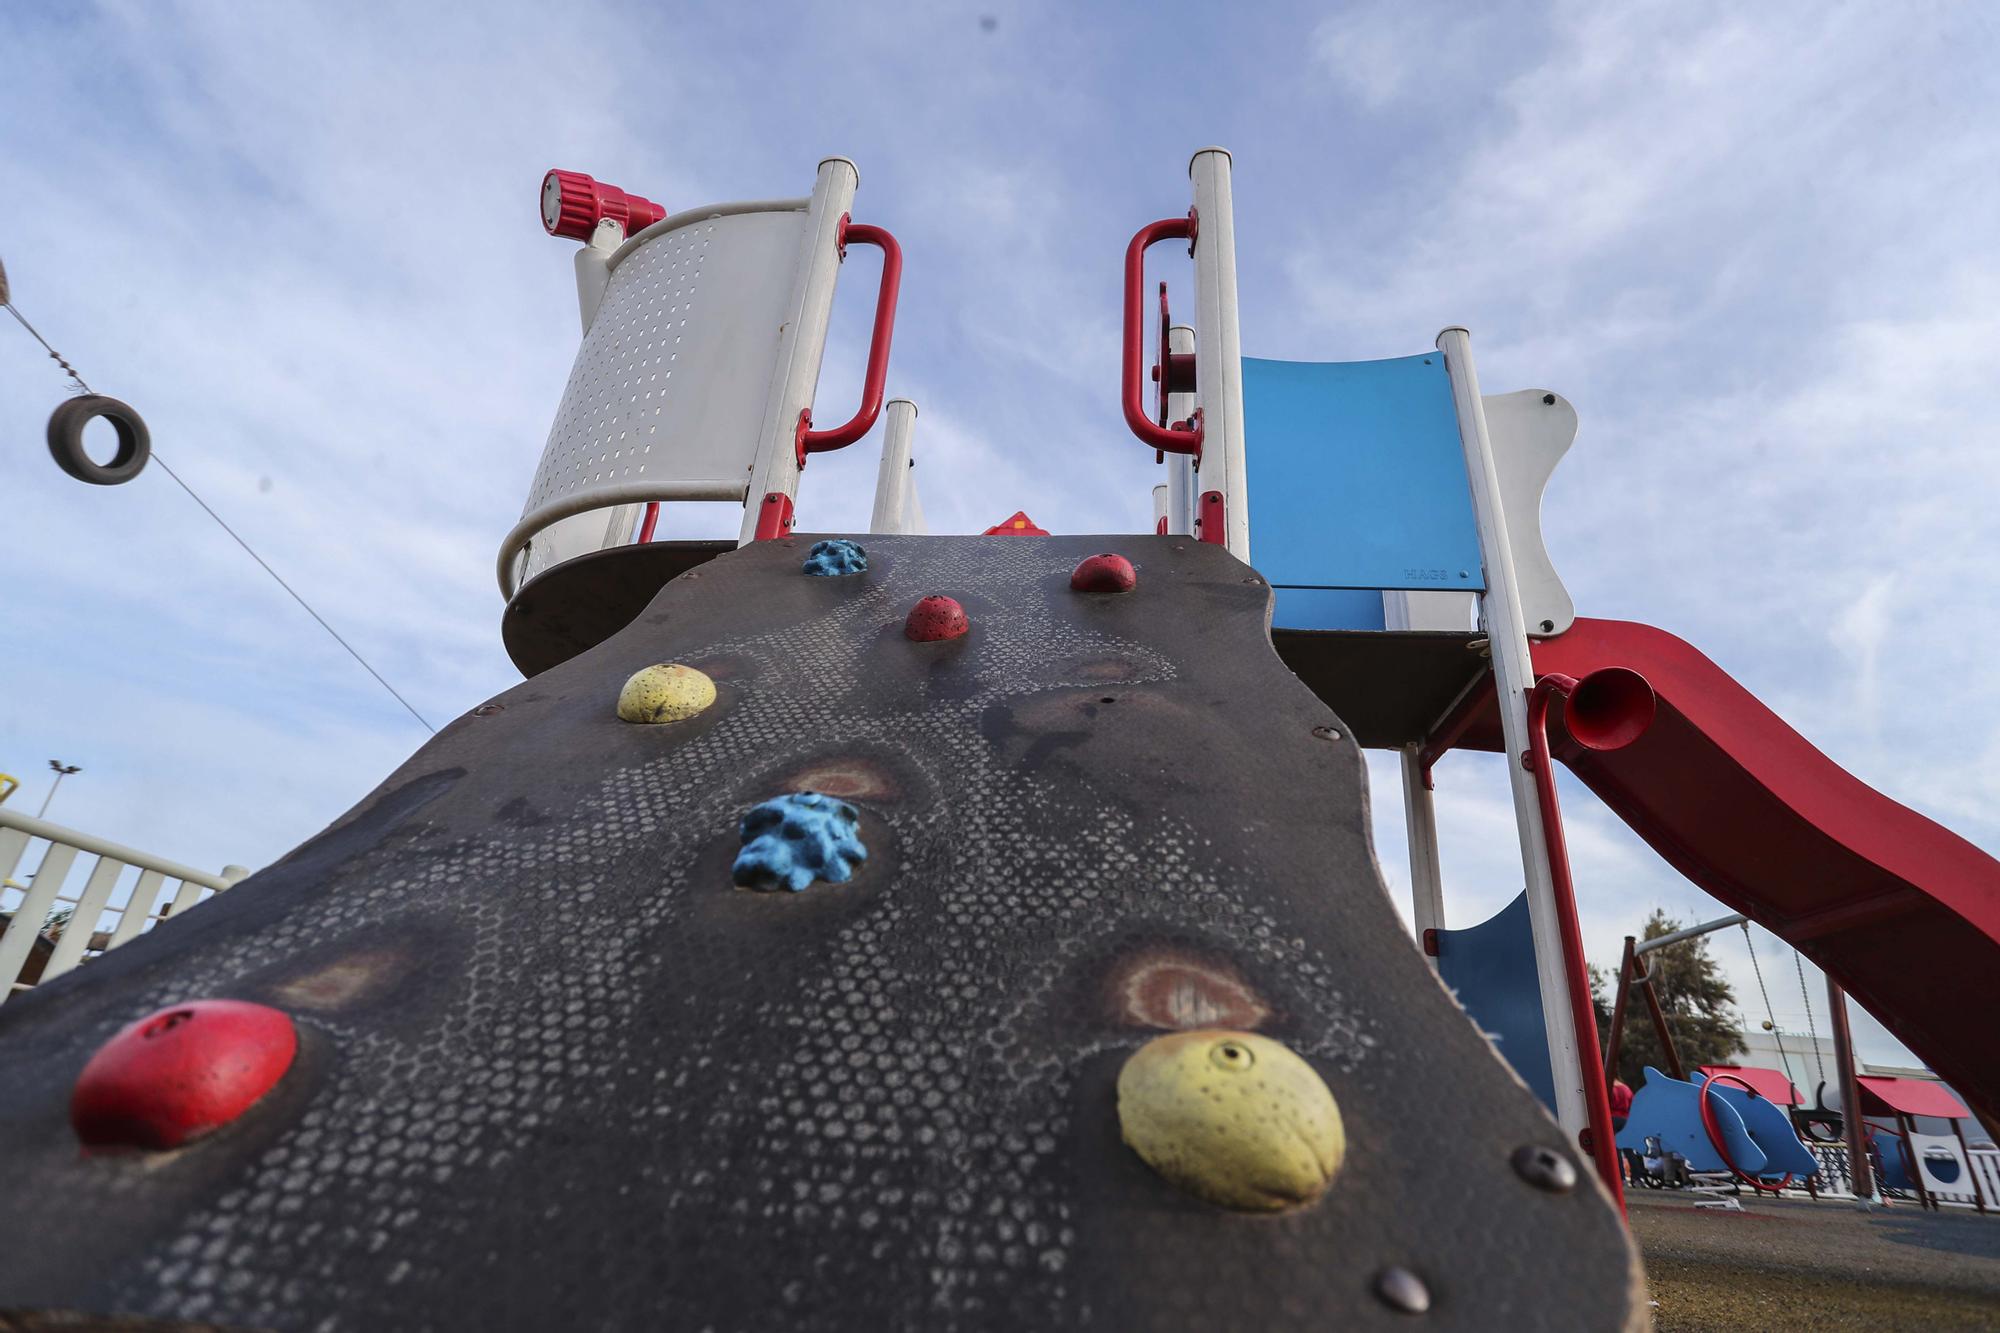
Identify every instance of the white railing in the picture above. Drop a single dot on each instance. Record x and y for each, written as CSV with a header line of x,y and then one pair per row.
x,y
50,927
1985,1163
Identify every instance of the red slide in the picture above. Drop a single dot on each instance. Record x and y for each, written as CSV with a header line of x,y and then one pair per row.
x,y
1902,912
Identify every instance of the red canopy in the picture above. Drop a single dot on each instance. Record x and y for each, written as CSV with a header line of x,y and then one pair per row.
x,y
1911,1096
1020,525
1771,1085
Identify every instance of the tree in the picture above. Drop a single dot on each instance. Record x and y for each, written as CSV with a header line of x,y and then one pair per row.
x,y
1694,996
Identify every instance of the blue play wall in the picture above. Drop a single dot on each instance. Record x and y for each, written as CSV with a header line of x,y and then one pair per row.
x,y
1356,482
1490,967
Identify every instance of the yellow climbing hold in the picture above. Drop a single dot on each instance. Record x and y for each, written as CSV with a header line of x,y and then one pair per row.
x,y
668,692
1233,1117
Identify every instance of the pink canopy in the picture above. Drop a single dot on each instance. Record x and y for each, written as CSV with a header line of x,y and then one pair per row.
x,y
1911,1096
1771,1085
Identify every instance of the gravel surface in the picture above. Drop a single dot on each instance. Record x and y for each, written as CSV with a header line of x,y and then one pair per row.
x,y
1784,1264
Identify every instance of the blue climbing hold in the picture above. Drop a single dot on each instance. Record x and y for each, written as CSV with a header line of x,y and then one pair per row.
x,y
835,556
790,841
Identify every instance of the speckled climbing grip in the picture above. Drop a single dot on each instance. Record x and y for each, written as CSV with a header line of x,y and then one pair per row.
x,y
575,1077
1231,1117
935,618
666,692
793,841
834,557
1104,572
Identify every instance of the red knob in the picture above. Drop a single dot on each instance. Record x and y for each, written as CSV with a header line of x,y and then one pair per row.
x,y
935,618
1104,573
181,1073
573,204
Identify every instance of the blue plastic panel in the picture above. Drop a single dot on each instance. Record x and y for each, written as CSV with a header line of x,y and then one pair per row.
x,y
1490,967
1327,608
1669,1110
1356,477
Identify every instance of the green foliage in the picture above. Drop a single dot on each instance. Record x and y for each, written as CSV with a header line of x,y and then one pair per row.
x,y
1694,996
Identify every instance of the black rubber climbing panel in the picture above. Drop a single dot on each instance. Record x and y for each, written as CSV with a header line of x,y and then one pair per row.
x,y
559,1073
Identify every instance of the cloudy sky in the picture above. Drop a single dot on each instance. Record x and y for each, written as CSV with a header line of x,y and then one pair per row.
x,y
1755,245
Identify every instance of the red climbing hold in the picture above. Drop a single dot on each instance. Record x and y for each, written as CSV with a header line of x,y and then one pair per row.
x,y
183,1072
935,618
1104,573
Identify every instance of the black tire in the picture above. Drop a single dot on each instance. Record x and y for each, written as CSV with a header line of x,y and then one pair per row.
x,y
135,442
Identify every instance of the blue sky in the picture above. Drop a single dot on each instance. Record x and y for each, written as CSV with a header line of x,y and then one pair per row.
x,y
1753,245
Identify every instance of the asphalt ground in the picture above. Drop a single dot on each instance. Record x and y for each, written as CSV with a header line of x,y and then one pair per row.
x,y
1796,1264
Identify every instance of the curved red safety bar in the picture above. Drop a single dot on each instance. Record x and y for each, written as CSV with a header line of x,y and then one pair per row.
x,y
1151,435
1715,1135
1583,1018
810,441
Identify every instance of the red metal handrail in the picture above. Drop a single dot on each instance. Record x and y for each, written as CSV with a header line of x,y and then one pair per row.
x,y
1153,436
810,441
1714,1131
1583,1018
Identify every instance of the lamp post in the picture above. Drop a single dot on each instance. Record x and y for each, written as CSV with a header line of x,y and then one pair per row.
x,y
62,771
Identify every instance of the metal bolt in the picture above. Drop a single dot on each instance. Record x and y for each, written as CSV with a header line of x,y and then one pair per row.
x,y
1253,580
1548,626
1326,733
1544,1168
1464,574
1400,1289
488,710
1549,398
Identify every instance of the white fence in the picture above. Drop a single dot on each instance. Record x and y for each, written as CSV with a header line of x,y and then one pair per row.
x,y
1984,1164
51,925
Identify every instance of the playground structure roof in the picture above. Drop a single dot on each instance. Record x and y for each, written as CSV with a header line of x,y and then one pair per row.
x,y
1771,1085
1016,525
1911,1096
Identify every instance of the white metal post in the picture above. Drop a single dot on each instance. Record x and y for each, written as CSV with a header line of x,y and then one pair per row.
x,y
593,268
1180,467
1219,351
1513,678
802,339
1426,873
892,478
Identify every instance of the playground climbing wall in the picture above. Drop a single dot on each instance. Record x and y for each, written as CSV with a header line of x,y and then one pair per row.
x,y
556,1068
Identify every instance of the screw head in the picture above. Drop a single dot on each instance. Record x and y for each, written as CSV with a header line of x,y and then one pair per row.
x,y
1548,626
1327,733
1544,1168
1400,1289
488,710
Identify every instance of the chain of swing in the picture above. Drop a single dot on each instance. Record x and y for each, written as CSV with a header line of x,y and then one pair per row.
x,y
1771,1017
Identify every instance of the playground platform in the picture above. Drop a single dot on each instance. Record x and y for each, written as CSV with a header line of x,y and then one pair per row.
x,y
1794,1263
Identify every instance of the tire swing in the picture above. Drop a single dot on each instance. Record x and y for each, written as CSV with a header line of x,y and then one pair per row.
x,y
135,442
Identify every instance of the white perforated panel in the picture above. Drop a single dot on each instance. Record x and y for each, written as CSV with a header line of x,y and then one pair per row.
x,y
670,384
